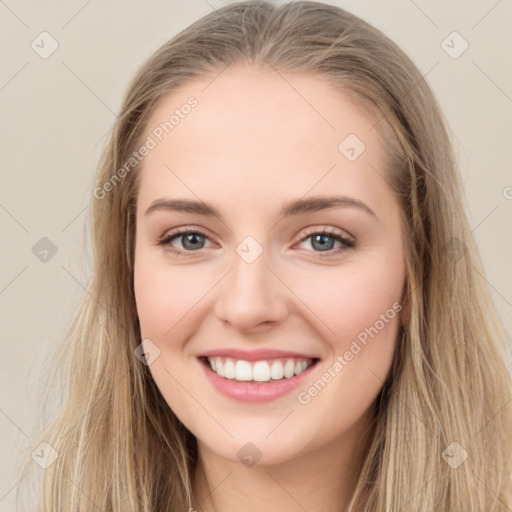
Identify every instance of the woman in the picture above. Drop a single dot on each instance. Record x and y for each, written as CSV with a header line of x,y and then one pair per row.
x,y
285,311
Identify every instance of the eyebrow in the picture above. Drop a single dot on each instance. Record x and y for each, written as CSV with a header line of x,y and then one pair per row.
x,y
291,208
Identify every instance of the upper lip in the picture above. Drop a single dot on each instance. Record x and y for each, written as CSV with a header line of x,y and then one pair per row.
x,y
255,355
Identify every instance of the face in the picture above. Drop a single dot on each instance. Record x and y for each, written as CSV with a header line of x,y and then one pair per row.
x,y
291,289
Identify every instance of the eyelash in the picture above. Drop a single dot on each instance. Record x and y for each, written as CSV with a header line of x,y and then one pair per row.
x,y
166,240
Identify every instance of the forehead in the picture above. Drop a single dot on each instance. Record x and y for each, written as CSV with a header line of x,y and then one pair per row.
x,y
254,129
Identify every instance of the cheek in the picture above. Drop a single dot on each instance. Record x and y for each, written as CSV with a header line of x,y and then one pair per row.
x,y
167,298
351,298
165,295
363,311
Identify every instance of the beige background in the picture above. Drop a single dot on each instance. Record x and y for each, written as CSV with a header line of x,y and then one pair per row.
x,y
56,111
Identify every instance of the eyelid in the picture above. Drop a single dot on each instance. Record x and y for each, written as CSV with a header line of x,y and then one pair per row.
x,y
335,232
189,228
165,239
306,232
347,242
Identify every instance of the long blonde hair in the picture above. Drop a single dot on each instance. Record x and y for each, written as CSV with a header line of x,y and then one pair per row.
x,y
119,445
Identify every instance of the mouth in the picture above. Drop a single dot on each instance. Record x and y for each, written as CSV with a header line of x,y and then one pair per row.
x,y
264,371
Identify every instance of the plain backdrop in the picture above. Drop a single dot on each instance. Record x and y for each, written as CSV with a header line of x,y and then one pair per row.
x,y
56,110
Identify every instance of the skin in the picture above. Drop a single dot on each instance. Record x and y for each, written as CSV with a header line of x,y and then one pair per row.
x,y
252,144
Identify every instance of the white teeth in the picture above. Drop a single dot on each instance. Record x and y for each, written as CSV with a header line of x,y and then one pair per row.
x,y
219,367
289,368
243,370
259,371
276,371
229,369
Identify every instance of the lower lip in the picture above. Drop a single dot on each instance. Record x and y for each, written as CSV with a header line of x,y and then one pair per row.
x,y
254,391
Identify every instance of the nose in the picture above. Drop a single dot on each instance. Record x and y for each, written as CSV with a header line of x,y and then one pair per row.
x,y
252,297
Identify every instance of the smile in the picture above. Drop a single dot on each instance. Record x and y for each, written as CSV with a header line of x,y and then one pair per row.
x,y
261,377
258,371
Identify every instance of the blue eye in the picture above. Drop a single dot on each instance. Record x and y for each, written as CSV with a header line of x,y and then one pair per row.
x,y
193,239
324,241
